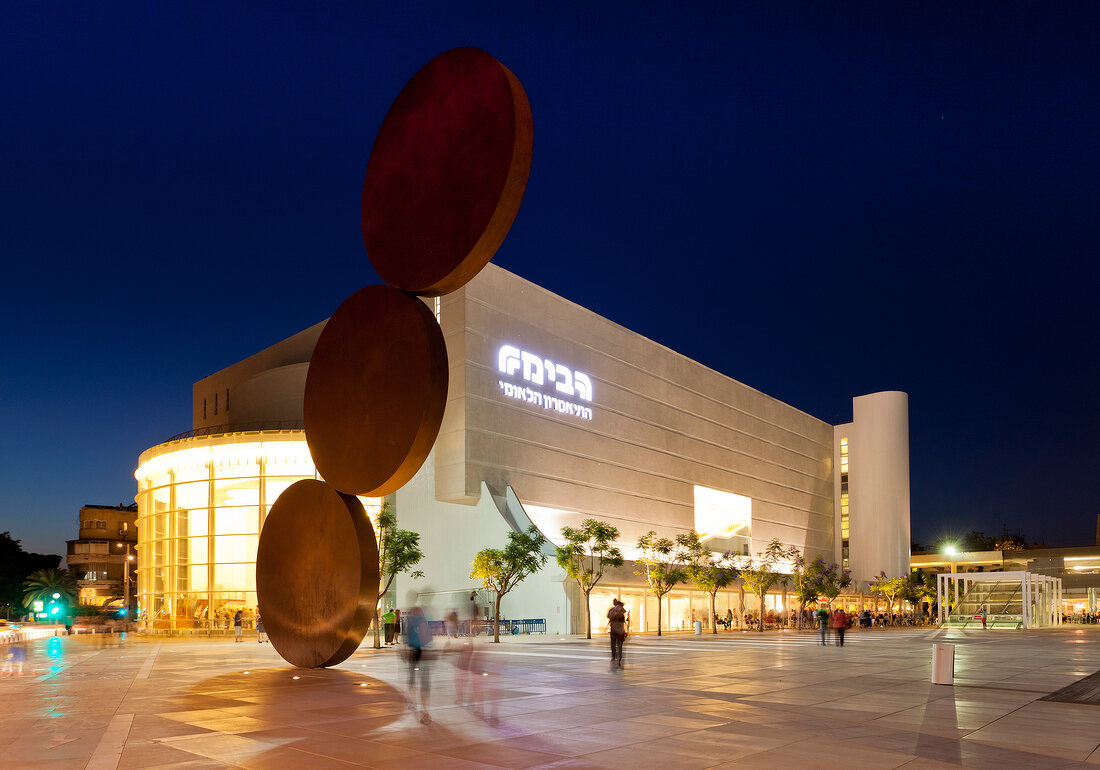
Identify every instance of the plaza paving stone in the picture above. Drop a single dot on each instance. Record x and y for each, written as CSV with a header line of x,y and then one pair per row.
x,y
774,700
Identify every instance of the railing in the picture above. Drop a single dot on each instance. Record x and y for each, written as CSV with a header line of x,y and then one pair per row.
x,y
511,627
238,427
26,633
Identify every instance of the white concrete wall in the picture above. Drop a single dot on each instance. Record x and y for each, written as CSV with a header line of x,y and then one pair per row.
x,y
450,535
271,395
878,451
275,398
661,423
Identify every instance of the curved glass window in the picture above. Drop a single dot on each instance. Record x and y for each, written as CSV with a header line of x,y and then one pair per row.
x,y
201,504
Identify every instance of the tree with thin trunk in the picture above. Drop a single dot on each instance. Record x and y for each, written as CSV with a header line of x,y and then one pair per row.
x,y
918,587
708,570
806,588
588,550
889,587
502,569
819,579
832,580
761,572
661,565
398,551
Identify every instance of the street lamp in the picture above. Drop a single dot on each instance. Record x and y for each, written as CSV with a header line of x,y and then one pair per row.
x,y
951,552
126,579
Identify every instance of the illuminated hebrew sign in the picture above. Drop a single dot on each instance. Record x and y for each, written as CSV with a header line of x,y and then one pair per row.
x,y
542,373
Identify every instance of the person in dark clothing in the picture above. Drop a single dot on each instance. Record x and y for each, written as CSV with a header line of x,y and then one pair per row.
x,y
823,623
616,617
840,622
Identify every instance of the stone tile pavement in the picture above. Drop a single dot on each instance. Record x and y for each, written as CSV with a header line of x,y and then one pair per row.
x,y
774,700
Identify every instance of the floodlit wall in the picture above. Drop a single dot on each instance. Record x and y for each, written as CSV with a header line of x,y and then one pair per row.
x,y
450,535
878,449
583,417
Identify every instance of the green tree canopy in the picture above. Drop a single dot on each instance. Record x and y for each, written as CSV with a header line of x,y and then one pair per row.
x,y
890,588
588,550
661,564
502,569
761,572
15,565
708,570
918,587
42,585
818,579
398,551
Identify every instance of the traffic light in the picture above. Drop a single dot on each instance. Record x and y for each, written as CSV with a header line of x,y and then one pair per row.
x,y
56,606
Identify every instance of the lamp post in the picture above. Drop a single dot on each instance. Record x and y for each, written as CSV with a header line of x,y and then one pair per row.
x,y
126,579
951,552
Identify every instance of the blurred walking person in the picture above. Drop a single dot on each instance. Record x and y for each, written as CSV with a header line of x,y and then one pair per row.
x,y
14,658
616,621
388,618
418,636
840,622
823,623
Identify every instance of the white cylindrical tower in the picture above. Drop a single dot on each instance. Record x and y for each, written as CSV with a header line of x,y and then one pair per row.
x,y
878,449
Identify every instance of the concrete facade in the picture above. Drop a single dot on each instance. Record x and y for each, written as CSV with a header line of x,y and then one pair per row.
x,y
264,388
107,534
660,424
878,447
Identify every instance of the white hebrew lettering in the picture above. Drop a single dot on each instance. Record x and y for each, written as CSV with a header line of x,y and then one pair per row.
x,y
539,371
583,385
508,359
532,368
565,385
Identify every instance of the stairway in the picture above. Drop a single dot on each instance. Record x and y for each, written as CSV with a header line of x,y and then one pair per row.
x,y
1002,600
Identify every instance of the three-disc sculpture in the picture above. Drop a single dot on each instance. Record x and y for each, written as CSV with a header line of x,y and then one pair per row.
x,y
443,185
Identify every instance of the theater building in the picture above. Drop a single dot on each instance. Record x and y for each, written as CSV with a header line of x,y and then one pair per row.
x,y
554,415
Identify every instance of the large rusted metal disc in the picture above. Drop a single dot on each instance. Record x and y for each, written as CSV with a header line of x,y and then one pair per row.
x,y
447,173
375,392
316,574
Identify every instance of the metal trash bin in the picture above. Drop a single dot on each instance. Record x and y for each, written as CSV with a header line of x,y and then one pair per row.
x,y
698,628
943,663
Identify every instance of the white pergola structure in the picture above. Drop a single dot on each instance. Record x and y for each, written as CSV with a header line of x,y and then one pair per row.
x,y
1041,599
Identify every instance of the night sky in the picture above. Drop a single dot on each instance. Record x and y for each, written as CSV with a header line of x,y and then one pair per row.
x,y
819,200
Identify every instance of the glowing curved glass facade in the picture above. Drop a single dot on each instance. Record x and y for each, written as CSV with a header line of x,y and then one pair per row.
x,y
201,504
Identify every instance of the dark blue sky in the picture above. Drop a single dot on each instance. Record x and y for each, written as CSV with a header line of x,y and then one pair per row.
x,y
819,200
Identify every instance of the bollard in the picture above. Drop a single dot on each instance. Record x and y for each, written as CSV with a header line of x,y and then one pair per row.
x,y
943,663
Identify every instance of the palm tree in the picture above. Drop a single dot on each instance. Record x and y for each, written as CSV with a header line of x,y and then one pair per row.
x,y
42,585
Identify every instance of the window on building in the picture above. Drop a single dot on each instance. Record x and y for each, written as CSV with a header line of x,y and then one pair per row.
x,y
215,403
723,520
204,409
844,519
